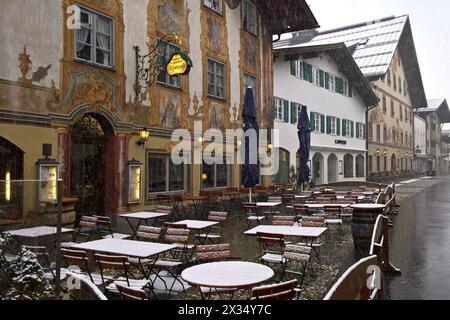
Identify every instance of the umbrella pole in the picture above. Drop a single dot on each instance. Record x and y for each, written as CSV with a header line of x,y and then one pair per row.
x,y
250,195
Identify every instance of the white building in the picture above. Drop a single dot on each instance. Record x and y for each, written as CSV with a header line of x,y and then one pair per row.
x,y
326,79
420,139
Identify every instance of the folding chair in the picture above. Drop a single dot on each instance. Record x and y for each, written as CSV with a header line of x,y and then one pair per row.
x,y
280,291
132,294
271,248
214,234
299,256
313,222
283,221
252,213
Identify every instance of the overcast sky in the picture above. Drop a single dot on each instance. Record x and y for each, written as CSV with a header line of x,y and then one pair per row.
x,y
430,26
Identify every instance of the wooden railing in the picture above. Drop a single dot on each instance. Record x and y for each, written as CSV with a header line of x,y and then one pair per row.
x,y
364,280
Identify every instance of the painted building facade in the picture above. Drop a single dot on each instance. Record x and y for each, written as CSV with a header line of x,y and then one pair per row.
x,y
328,82
420,141
74,87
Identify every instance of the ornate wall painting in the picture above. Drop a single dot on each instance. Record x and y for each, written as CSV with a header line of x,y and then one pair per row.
x,y
216,116
214,35
168,19
250,53
170,111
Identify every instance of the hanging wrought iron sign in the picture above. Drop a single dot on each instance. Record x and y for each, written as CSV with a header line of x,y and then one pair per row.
x,y
179,64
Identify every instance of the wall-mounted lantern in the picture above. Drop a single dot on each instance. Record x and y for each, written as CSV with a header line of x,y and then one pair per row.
x,y
144,135
48,175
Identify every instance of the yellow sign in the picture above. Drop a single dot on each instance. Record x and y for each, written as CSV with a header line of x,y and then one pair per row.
x,y
178,65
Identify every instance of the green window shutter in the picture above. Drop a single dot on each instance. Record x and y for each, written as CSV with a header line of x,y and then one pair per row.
x,y
322,78
286,111
293,113
350,91
311,120
338,126
293,67
322,123
364,131
344,127
310,73
305,70
327,80
352,124
357,130
328,125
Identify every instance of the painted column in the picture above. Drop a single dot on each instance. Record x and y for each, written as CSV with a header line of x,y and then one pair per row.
x,y
63,157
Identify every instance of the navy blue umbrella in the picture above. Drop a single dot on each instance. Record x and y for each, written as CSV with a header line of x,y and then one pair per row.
x,y
304,136
250,169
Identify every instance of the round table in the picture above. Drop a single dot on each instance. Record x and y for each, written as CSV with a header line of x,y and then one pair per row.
x,y
363,223
227,275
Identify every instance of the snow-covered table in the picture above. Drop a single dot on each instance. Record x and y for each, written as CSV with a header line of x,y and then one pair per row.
x,y
198,226
268,204
141,217
37,232
297,232
227,275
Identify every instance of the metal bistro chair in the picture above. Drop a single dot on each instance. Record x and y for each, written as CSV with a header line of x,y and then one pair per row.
x,y
283,221
280,291
80,259
132,294
104,228
313,222
333,217
215,233
214,253
297,258
253,214
271,248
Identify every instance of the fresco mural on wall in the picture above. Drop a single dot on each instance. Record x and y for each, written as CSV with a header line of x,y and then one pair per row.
x,y
214,35
170,111
168,19
217,116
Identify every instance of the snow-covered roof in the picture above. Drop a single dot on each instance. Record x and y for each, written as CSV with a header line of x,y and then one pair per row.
x,y
373,45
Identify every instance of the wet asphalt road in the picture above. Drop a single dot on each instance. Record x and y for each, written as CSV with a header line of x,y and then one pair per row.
x,y
420,246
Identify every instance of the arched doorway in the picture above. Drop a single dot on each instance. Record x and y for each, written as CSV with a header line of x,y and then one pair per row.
x,y
360,166
11,168
282,176
393,163
332,168
317,170
348,166
90,136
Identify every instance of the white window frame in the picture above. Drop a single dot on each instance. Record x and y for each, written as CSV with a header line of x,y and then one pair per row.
x,y
345,88
92,26
226,162
332,83
361,131
279,109
299,71
215,76
214,5
316,76
299,111
333,126
347,128
317,123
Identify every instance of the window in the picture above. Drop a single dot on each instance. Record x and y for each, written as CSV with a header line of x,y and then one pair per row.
x,y
317,123
163,175
332,83
279,109
345,88
394,136
94,41
249,16
378,164
216,79
388,76
217,175
401,113
360,127
250,81
401,139
370,163
394,80
385,134
348,166
384,105
392,109
347,128
333,126
163,77
378,133
400,85
215,5
404,88
297,68
316,76
370,131
385,164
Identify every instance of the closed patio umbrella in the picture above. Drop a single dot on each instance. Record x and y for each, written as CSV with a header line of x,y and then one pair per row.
x,y
304,136
250,169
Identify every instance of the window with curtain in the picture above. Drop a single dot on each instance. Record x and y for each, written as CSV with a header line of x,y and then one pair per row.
x,y
249,16
163,77
95,39
215,5
163,175
216,79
